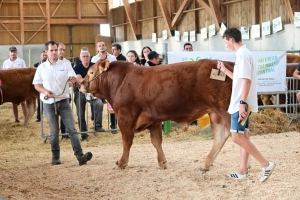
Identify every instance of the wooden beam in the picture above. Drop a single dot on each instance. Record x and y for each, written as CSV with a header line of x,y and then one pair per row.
x,y
11,33
98,7
223,10
56,8
166,15
179,12
130,17
36,32
78,21
255,11
48,19
290,10
78,9
34,21
21,7
41,8
1,3
211,10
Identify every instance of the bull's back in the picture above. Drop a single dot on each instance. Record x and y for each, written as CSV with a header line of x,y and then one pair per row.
x,y
17,85
178,88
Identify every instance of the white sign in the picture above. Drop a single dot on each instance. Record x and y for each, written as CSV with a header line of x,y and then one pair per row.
x,y
192,36
212,30
245,32
222,29
177,36
277,24
266,28
297,19
164,35
203,33
255,31
185,36
271,65
153,37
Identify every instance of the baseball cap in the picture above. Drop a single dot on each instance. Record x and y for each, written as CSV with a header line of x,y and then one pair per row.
x,y
153,54
12,48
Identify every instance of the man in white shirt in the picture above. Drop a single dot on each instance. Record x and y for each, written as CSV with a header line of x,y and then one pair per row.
x,y
15,62
243,92
51,79
103,55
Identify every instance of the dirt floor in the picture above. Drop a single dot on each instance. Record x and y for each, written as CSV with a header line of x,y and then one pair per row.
x,y
26,172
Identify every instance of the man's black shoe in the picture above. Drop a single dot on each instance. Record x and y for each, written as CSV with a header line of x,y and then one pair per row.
x,y
98,129
56,161
37,120
114,132
83,158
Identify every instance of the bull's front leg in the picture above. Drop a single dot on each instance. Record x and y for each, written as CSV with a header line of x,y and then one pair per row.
x,y
220,128
31,107
156,139
127,139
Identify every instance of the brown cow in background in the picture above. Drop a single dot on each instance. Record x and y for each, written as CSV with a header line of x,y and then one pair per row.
x,y
269,99
17,87
144,97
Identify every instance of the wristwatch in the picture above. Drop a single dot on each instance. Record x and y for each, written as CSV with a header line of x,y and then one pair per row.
x,y
242,102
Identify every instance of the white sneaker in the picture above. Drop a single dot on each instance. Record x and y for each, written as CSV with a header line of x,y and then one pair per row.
x,y
266,172
236,176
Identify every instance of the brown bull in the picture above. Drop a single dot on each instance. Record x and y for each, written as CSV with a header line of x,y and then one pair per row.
x,y
144,97
17,87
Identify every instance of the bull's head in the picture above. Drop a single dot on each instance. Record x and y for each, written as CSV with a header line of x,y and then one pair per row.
x,y
89,85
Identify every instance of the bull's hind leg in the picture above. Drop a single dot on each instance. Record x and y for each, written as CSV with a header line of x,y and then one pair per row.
x,y
156,139
30,103
221,128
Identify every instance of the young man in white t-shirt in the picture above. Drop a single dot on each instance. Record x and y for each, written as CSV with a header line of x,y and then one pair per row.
x,y
243,93
12,63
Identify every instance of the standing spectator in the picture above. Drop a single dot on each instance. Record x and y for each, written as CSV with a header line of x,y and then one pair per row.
x,y
104,55
153,59
80,98
15,62
145,51
187,47
43,59
50,80
116,51
243,92
133,57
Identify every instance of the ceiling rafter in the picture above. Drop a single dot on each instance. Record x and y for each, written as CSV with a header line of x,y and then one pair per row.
x,y
98,7
36,33
255,11
21,7
41,8
165,14
130,17
11,33
290,10
179,12
212,9
55,10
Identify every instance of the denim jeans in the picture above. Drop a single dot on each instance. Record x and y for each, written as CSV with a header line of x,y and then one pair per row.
x,y
63,109
80,102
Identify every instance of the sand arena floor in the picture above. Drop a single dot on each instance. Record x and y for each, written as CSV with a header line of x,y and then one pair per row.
x,y
26,172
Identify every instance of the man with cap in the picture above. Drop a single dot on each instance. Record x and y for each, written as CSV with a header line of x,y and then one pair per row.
x,y
15,62
153,59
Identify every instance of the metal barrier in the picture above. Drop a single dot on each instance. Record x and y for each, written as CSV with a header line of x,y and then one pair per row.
x,y
87,118
292,104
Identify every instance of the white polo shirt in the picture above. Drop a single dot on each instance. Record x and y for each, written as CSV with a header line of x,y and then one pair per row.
x,y
18,63
54,78
109,57
244,67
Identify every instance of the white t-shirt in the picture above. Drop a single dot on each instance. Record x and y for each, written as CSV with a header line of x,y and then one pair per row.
x,y
109,57
18,63
54,78
244,67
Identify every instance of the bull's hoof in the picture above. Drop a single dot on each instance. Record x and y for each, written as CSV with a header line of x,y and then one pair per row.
x,y
121,167
203,170
163,165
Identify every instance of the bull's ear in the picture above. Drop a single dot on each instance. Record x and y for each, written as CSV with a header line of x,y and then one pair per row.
x,y
105,65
